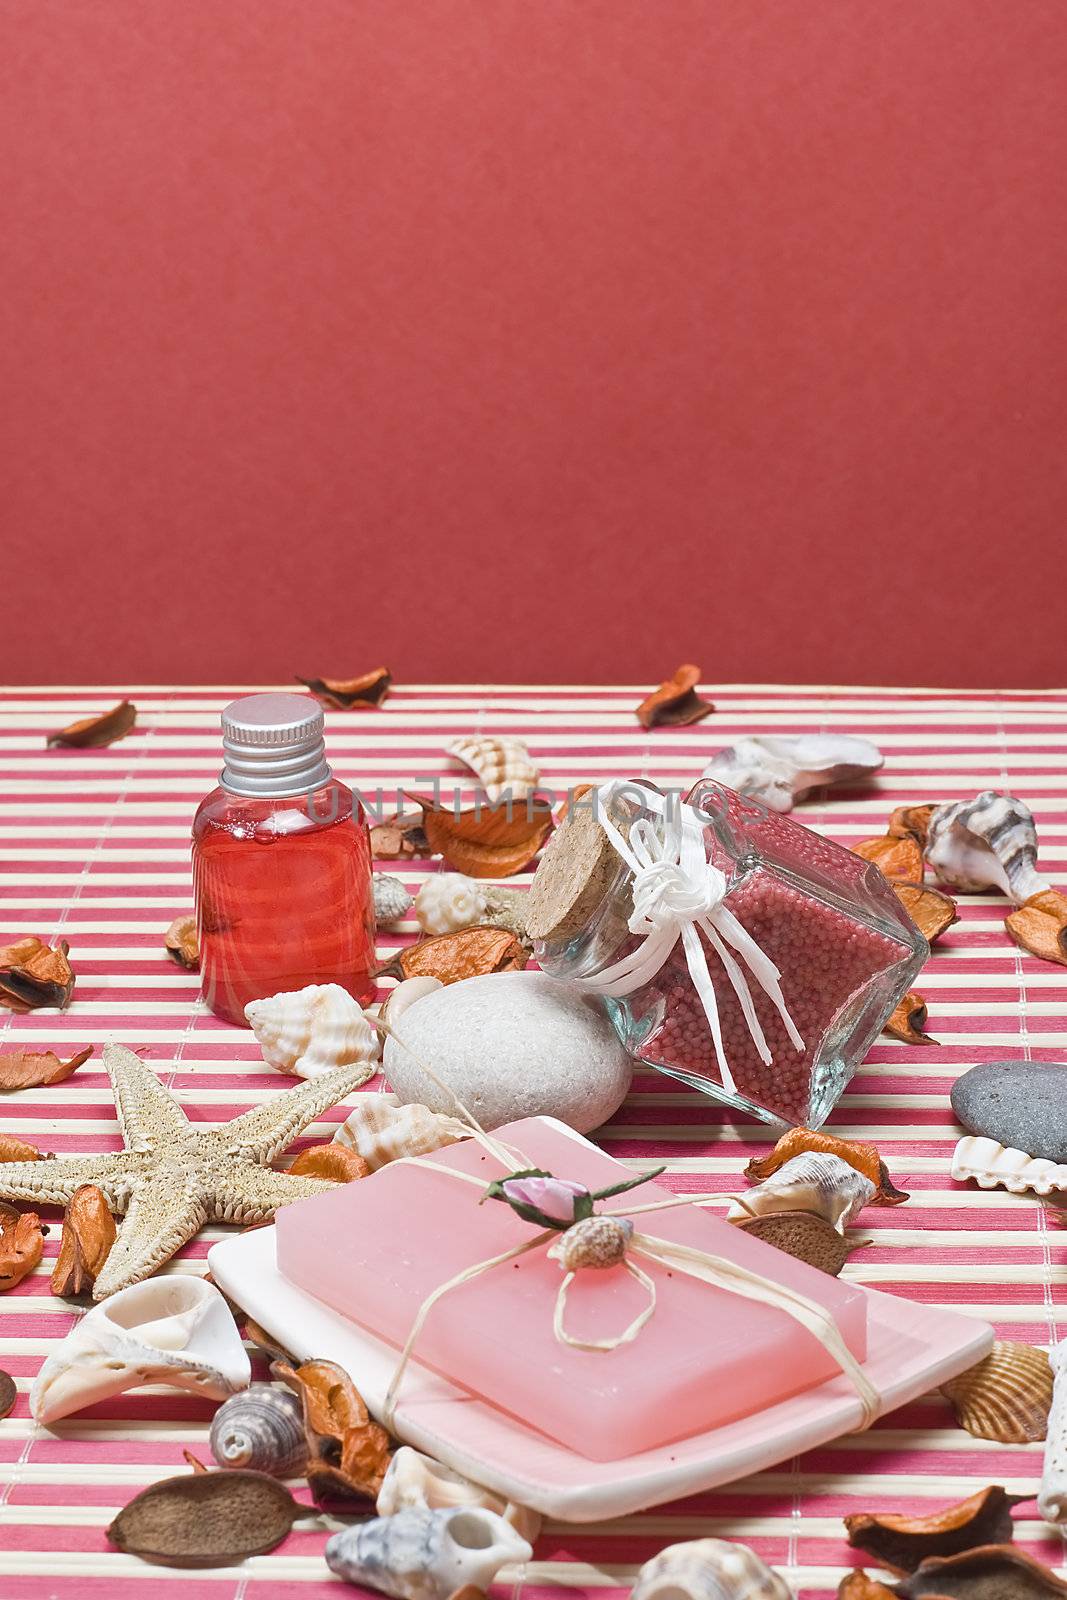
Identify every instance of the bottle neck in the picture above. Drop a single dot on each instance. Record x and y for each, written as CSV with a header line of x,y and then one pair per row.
x,y
275,771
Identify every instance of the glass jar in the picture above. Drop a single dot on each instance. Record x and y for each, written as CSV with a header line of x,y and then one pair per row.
x,y
845,948
281,863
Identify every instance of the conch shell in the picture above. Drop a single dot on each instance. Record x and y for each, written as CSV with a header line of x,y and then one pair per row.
x,y
261,1428
994,1165
426,1555
779,769
380,1130
1006,1396
1052,1497
818,1183
502,766
709,1569
171,1330
989,842
310,1031
450,901
416,1480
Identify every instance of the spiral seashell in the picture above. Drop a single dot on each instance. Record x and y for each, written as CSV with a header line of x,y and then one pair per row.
x,y
822,1184
391,898
994,1165
261,1428
426,1555
989,842
1006,1396
502,766
594,1242
709,1569
312,1030
381,1131
413,1479
781,768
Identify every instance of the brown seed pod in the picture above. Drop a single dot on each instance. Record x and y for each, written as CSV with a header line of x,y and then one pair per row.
x,y
88,1234
8,1394
28,1069
486,841
804,1235
348,1453
1039,926
452,956
989,1572
206,1519
864,1157
896,858
351,694
908,1021
932,912
21,1244
34,974
335,1162
675,703
1006,1396
180,943
94,732
901,1542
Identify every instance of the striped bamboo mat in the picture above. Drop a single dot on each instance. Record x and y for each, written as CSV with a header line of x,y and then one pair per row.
x,y
94,848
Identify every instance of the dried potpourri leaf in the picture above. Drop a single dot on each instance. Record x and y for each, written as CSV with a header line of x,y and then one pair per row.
x,y
206,1519
35,974
334,1162
181,944
21,1244
864,1157
399,838
894,857
267,1343
910,822
347,1453
1039,926
194,1462
351,694
932,912
675,704
449,957
901,1543
8,1394
28,1069
859,1585
88,1234
805,1235
94,732
487,841
908,1021
989,1572
12,1149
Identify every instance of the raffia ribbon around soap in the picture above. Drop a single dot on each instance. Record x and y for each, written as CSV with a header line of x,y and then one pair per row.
x,y
717,1271
677,895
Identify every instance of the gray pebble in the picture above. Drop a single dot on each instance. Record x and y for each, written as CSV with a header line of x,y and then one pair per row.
x,y
1017,1103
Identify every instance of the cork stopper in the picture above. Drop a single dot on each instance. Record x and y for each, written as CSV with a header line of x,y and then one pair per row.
x,y
576,870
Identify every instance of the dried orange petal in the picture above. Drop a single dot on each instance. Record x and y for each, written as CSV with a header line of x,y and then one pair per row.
x,y
675,703
896,858
180,943
21,1245
902,1542
335,1162
487,841
932,912
35,974
908,1022
351,694
1039,926
94,732
88,1234
449,957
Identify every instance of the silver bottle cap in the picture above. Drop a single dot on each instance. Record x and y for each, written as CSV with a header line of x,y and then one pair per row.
x,y
274,745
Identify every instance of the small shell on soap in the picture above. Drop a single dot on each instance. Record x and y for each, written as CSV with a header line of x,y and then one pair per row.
x,y
779,769
1006,1396
391,898
994,1166
261,1428
417,1554
413,1479
380,1130
822,1184
502,766
312,1030
599,1242
709,1569
989,842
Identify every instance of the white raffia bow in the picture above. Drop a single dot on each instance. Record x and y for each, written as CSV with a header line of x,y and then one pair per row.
x,y
676,892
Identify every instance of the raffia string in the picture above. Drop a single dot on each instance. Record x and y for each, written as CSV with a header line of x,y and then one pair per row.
x,y
718,1271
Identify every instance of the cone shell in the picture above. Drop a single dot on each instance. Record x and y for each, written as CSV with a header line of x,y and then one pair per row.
x,y
502,766
310,1031
381,1131
262,1428
1006,1397
709,1569
417,1554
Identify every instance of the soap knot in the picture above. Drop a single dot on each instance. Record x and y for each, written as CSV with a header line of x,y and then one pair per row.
x,y
599,1241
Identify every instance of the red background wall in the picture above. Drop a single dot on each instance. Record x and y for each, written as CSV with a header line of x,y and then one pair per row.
x,y
519,339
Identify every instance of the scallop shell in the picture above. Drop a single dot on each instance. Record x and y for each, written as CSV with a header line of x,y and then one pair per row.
x,y
171,1330
312,1030
381,1131
824,1185
391,899
502,766
1006,1396
261,1428
994,1165
989,842
413,1479
780,769
418,1554
709,1569
1052,1497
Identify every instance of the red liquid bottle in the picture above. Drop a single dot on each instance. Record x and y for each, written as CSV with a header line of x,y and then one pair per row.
x,y
281,863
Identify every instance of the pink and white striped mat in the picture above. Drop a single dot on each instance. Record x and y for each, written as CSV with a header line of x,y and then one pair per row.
x,y
94,848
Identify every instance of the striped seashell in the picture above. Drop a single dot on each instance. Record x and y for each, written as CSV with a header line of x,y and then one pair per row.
x,y
821,1184
418,1554
1006,1396
261,1428
709,1569
413,1479
989,842
391,899
994,1166
502,766
381,1131
312,1030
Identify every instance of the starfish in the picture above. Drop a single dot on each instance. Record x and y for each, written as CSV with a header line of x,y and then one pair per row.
x,y
172,1177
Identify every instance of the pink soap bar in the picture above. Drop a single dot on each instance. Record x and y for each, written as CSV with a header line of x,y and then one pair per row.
x,y
374,1250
